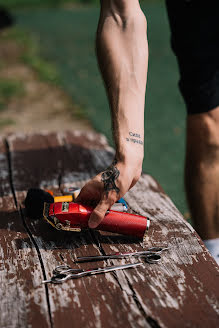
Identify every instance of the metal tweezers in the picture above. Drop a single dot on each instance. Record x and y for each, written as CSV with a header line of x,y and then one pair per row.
x,y
151,255
63,273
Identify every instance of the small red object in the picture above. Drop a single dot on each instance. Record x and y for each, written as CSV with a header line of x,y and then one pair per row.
x,y
74,217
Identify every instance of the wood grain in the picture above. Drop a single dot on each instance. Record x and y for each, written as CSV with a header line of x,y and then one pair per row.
x,y
181,291
93,301
22,297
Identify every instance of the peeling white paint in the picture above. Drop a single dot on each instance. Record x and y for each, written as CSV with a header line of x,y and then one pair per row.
x,y
214,302
96,309
13,286
185,251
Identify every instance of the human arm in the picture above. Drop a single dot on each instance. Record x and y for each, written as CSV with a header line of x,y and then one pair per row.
x,y
122,53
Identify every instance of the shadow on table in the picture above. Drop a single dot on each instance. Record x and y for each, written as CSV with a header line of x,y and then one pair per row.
x,y
27,233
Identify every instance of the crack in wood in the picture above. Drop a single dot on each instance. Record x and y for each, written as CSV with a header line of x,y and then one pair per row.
x,y
183,288
153,323
10,171
61,257
102,252
27,229
41,263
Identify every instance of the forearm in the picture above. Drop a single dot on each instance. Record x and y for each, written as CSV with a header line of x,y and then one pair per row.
x,y
122,53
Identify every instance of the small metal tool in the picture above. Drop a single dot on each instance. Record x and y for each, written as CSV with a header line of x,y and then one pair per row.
x,y
63,273
151,255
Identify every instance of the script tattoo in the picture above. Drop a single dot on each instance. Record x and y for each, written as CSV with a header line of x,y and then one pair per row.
x,y
109,176
133,138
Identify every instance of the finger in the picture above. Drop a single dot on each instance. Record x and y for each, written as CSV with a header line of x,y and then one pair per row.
x,y
79,198
83,195
98,214
91,192
86,201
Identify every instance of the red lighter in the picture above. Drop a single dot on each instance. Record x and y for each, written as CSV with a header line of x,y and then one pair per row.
x,y
71,216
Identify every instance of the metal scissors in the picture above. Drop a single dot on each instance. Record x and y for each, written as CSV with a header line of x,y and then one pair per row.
x,y
64,272
151,255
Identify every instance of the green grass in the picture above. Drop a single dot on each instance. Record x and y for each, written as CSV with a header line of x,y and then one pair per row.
x,y
67,39
11,4
45,70
8,89
6,122
42,3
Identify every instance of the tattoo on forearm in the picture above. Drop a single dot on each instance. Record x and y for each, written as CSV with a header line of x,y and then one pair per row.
x,y
109,177
135,138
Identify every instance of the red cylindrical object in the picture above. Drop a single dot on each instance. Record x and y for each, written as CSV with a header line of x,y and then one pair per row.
x,y
118,222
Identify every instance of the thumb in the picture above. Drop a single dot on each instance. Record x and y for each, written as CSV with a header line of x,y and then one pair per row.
x,y
98,214
78,198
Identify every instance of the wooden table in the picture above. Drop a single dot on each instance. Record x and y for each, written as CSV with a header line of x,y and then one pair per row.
x,y
181,291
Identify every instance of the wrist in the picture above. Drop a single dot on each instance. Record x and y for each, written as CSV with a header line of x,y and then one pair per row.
x,y
131,167
130,155
130,146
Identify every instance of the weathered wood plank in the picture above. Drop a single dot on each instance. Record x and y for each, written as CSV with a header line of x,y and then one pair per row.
x,y
49,160
183,289
22,298
180,291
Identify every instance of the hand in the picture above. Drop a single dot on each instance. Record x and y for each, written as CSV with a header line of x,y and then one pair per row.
x,y
94,193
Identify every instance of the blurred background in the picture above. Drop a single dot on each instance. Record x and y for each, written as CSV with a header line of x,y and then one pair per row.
x,y
49,80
